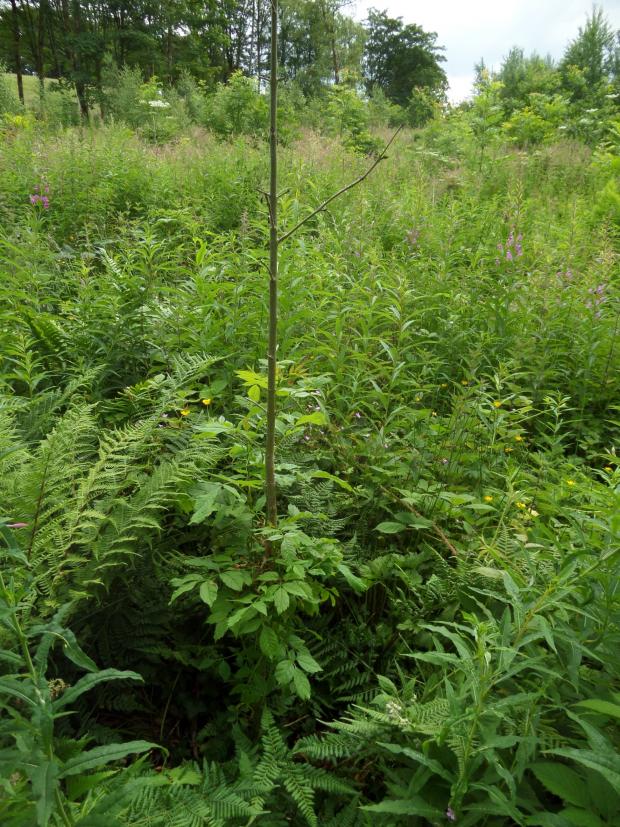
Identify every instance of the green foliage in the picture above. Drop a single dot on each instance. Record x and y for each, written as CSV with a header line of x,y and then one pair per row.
x,y
236,108
399,58
432,629
345,115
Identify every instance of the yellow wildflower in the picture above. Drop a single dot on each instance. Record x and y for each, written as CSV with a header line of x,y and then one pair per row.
x,y
570,482
532,512
184,411
206,401
464,382
518,438
609,469
521,505
497,404
508,450
488,498
444,385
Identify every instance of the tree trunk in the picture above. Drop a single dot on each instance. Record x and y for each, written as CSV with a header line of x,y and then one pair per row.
x,y
16,50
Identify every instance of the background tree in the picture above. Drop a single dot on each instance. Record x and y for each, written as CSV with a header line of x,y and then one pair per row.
x,y
522,76
399,58
591,60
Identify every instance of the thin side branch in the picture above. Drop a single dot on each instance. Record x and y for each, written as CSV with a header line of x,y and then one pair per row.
x,y
341,191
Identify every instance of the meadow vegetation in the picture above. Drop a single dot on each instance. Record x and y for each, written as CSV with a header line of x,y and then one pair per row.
x,y
430,634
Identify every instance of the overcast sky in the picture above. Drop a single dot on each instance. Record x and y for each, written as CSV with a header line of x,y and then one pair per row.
x,y
471,29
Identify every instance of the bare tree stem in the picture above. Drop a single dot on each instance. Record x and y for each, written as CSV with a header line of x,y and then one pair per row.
x,y
270,448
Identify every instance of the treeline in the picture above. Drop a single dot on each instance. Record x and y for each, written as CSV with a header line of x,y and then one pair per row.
x,y
86,43
159,68
532,99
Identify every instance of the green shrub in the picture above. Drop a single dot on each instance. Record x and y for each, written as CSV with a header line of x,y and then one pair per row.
x,y
237,108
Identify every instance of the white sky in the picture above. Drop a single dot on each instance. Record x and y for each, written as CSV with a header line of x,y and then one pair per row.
x,y
471,29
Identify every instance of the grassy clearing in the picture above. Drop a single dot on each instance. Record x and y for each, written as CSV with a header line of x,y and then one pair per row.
x,y
31,87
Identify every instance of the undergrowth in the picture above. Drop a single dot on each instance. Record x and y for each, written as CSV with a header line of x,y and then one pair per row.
x,y
436,638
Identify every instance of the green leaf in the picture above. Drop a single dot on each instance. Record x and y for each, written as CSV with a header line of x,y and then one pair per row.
x,y
9,686
184,584
244,613
73,651
562,781
608,767
301,684
420,758
298,588
284,672
390,528
234,579
254,393
269,643
316,418
307,662
44,780
248,377
281,599
208,592
582,818
89,681
205,503
607,708
98,756
357,584
412,806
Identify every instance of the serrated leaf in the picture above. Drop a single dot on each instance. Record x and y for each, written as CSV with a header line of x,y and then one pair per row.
x,y
281,599
44,779
307,662
205,502
298,588
234,579
91,680
73,651
208,592
184,585
284,672
9,686
357,584
269,643
301,684
254,393
98,756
